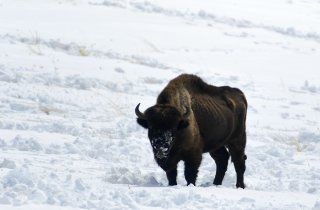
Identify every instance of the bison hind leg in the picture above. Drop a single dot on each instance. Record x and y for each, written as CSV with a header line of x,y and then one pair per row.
x,y
221,158
239,160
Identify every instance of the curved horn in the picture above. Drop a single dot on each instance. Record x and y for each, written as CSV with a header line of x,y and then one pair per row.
x,y
187,113
138,113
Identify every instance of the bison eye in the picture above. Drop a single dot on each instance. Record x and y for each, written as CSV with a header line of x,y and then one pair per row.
x,y
183,124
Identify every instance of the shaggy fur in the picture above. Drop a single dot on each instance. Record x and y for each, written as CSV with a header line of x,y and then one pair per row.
x,y
199,118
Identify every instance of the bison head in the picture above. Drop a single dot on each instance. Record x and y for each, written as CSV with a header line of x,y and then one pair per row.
x,y
163,123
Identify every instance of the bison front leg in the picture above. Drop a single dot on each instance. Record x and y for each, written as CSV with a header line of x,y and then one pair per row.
x,y
191,169
172,176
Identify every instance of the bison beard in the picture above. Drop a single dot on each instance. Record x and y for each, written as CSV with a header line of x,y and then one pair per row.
x,y
192,117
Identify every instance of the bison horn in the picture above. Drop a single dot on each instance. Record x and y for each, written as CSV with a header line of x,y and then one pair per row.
x,y
138,113
187,113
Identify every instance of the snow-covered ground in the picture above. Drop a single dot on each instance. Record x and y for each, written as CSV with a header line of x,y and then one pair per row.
x,y
72,72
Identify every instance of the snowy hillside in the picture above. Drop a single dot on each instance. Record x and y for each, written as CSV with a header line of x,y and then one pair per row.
x,y
72,72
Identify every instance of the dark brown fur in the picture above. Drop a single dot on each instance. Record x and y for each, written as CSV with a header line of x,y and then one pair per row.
x,y
215,122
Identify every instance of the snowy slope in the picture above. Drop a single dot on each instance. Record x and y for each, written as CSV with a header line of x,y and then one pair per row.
x,y
71,73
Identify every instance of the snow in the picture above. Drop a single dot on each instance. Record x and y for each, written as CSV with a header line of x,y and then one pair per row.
x,y
72,72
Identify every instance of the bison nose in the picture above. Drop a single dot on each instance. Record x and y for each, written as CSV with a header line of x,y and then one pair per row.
x,y
161,154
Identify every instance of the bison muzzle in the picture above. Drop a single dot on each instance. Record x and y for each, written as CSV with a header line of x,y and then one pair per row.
x,y
192,117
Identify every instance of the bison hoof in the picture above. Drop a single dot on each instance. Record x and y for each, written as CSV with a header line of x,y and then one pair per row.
x,y
240,185
217,182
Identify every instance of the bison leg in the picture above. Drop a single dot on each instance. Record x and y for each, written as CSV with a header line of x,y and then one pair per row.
x,y
172,176
191,169
239,159
221,157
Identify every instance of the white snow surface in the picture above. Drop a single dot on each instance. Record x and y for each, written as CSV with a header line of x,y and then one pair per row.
x,y
72,72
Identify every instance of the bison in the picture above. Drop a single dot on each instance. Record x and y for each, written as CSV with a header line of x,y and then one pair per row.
x,y
192,117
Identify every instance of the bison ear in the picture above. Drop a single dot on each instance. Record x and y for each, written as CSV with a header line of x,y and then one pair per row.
x,y
183,124
143,123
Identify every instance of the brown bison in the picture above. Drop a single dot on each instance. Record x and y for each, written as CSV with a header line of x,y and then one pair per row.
x,y
192,117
